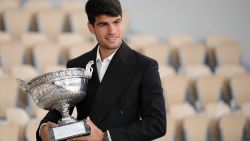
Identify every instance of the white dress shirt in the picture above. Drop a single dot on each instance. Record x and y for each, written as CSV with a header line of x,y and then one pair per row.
x,y
102,65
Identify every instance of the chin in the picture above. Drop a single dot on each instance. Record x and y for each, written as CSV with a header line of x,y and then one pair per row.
x,y
114,45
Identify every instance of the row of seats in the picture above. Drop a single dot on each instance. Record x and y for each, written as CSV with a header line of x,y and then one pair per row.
x,y
17,22
195,127
44,17
182,59
182,50
209,94
231,127
43,53
212,95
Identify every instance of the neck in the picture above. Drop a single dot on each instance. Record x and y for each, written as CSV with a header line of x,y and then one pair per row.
x,y
104,53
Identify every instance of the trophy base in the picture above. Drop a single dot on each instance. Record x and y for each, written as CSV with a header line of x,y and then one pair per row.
x,y
71,130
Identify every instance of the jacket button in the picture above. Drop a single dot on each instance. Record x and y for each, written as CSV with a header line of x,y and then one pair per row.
x,y
121,111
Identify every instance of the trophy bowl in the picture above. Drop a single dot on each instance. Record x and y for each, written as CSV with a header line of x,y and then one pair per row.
x,y
59,91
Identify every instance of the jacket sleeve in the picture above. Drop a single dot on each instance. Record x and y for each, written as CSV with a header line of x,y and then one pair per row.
x,y
52,116
152,109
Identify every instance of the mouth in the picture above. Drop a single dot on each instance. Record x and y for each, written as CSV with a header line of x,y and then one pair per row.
x,y
112,39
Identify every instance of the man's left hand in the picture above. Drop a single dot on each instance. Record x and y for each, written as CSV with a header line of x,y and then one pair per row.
x,y
95,135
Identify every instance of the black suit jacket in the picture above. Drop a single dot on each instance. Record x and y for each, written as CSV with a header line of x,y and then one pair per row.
x,y
128,102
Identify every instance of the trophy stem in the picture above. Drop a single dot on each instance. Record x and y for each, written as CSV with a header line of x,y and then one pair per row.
x,y
66,118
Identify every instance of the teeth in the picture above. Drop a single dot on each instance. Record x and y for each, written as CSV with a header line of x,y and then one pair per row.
x,y
111,39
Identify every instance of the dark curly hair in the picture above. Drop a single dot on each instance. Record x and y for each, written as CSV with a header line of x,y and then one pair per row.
x,y
96,8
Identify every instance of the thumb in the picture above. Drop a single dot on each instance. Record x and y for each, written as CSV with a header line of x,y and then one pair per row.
x,y
89,121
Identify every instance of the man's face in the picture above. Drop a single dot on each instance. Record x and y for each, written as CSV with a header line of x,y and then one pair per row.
x,y
108,31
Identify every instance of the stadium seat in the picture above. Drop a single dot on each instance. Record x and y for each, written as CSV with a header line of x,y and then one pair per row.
x,y
11,54
17,22
232,127
9,131
45,56
52,28
8,94
159,52
240,89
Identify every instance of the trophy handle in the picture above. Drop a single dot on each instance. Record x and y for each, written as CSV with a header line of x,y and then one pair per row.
x,y
88,70
22,84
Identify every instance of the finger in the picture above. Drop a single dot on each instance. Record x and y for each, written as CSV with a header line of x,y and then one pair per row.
x,y
51,124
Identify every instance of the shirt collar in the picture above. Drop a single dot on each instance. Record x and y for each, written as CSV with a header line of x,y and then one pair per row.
x,y
98,56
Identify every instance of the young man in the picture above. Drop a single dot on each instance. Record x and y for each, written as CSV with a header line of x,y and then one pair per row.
x,y
124,99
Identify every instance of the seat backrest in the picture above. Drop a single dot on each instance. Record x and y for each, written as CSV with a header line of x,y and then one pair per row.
x,y
192,54
209,89
226,54
196,128
175,89
232,127
8,94
46,55
11,54
9,131
159,52
78,22
17,22
52,28
240,88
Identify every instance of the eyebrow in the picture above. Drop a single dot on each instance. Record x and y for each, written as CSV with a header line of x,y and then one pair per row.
x,y
117,20
104,22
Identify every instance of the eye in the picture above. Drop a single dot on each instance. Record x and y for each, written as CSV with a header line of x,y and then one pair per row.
x,y
102,24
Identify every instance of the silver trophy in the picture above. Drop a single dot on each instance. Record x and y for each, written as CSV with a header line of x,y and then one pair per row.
x,y
59,91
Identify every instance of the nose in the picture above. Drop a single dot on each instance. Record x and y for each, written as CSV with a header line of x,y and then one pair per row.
x,y
111,29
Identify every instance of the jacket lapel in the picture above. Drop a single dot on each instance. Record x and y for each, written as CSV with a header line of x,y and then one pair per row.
x,y
121,70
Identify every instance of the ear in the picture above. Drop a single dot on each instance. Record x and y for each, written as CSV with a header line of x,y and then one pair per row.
x,y
91,28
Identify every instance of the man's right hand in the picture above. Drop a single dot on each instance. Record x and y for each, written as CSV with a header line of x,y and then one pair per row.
x,y
44,131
